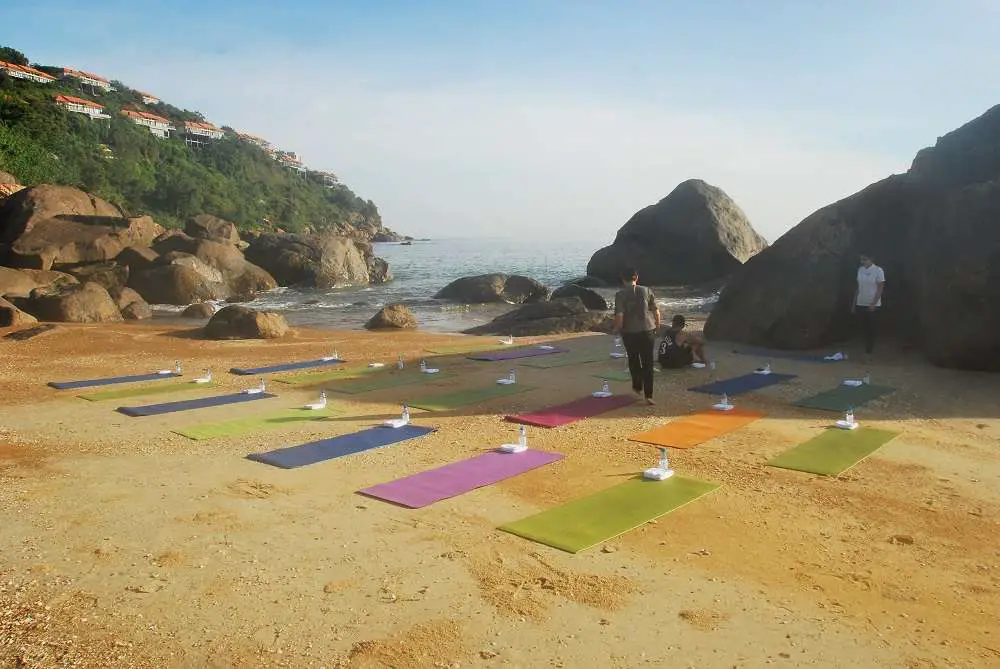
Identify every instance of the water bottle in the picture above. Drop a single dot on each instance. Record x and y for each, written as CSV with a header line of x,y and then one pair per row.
x,y
177,367
208,373
767,367
423,365
336,356
664,464
399,361
522,436
711,365
406,414
322,396
725,400
868,379
849,418
512,376
605,388
263,386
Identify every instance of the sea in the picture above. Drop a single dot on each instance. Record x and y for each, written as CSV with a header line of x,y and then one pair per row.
x,y
421,269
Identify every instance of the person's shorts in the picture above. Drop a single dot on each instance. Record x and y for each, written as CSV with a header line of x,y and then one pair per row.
x,y
682,356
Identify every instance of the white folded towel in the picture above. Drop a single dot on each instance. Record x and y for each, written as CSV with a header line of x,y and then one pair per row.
x,y
723,407
376,364
431,371
697,365
166,371
844,425
854,383
396,422
616,354
762,372
253,391
601,393
202,379
513,448
657,474
315,406
505,382
546,347
329,358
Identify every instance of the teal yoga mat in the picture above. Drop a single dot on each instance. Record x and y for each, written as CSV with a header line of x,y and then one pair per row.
x,y
844,397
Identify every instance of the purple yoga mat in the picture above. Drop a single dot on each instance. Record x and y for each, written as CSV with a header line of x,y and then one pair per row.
x,y
572,412
454,479
516,353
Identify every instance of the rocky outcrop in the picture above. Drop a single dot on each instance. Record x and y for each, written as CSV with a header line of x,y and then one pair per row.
x,y
12,317
199,310
59,225
591,299
137,258
591,282
74,303
322,261
393,316
20,282
695,234
934,232
553,317
177,283
212,228
112,276
130,304
238,322
486,288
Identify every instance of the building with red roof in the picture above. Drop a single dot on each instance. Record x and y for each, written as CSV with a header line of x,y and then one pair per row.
x,y
88,79
25,72
158,125
81,106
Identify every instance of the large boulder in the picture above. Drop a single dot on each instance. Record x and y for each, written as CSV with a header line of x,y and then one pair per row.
x,y
512,289
934,232
553,317
396,316
12,317
239,322
177,284
321,261
112,276
693,235
213,228
20,282
199,310
590,298
243,278
59,225
137,258
73,303
130,304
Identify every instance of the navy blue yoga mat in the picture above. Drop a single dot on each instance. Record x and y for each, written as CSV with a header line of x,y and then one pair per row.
x,y
286,367
348,444
782,355
187,405
72,385
742,384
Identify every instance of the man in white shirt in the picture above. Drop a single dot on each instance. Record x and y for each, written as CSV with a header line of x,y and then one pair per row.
x,y
868,298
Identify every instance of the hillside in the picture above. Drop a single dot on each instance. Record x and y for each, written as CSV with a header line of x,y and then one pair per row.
x,y
125,164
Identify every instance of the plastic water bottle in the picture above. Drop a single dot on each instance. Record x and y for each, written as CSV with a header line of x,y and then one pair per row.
x,y
208,373
512,376
849,417
399,361
725,400
767,367
522,436
664,463
605,388
406,414
711,365
263,386
322,396
423,365
177,366
868,379
336,355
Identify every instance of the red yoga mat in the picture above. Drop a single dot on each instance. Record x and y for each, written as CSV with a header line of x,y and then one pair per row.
x,y
572,412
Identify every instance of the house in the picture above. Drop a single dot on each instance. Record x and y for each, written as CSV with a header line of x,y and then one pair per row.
x,y
259,142
81,106
290,160
148,99
25,72
159,126
328,179
87,79
197,133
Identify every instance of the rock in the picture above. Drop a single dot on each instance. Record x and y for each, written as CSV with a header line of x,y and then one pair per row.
x,y
124,296
695,234
591,299
176,284
553,317
903,539
74,303
322,261
227,263
591,282
112,276
238,322
137,258
136,311
213,228
392,316
199,310
380,271
7,178
513,289
12,317
59,225
18,283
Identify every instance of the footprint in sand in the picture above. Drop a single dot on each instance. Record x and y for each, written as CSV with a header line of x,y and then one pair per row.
x,y
248,488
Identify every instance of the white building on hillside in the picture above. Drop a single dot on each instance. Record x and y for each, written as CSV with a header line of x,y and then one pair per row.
x,y
81,106
290,160
148,99
25,72
259,142
197,134
88,79
159,126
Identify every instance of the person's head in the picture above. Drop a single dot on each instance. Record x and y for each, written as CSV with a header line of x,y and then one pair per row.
x,y
678,322
867,260
630,276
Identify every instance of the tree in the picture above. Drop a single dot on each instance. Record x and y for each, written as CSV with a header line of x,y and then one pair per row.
x,y
12,55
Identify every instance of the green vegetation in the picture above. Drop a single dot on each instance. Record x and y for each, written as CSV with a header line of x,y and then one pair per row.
x,y
123,163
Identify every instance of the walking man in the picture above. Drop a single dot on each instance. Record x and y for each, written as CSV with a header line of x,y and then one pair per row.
x,y
868,298
637,319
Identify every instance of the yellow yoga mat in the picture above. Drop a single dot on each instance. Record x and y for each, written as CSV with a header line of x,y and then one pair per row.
x,y
697,428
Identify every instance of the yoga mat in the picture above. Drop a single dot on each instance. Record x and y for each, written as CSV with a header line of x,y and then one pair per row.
x,y
697,428
844,397
72,385
617,375
491,344
285,367
572,358
742,384
162,389
782,355
380,381
461,398
316,377
590,520
188,405
231,428
348,444
833,452
457,478
573,411
517,353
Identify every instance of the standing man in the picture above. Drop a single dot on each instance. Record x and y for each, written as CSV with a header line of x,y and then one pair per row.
x,y
637,319
868,298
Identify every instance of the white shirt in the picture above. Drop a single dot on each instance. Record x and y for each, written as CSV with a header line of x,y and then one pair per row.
x,y
868,280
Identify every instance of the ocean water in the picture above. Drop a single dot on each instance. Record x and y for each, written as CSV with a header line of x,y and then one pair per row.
x,y
422,269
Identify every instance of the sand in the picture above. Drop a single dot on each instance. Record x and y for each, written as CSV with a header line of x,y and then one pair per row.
x,y
126,545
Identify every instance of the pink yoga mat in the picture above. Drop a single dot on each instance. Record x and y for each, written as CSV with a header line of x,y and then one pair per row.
x,y
454,479
572,412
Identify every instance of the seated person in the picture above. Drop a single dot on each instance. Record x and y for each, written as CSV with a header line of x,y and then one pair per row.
x,y
679,349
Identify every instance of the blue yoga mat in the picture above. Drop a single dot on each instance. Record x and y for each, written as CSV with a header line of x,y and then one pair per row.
x,y
782,355
742,384
72,385
187,405
348,444
286,367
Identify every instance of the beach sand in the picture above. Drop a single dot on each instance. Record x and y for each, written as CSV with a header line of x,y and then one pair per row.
x,y
127,545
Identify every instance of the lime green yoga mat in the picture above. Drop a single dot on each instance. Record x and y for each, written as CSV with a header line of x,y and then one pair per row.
x,y
461,398
489,344
381,380
617,375
317,377
567,359
590,520
833,452
239,426
844,397
161,389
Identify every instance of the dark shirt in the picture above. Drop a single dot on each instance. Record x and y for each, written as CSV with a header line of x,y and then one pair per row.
x,y
637,306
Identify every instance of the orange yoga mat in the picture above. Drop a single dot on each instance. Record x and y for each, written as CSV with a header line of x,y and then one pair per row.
x,y
697,428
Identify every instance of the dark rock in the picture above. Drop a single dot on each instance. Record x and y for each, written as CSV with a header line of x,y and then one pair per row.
x,y
110,275
486,288
695,234
553,317
242,277
380,271
12,317
136,311
125,296
238,322
213,228
590,282
590,298
137,258
392,316
322,261
199,310
30,333
176,284
74,303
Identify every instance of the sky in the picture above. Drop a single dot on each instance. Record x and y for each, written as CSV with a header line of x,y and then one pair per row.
x,y
554,118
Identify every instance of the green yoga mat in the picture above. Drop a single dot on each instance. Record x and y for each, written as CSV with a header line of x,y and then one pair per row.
x,y
617,375
317,377
490,344
590,520
381,380
566,359
833,452
161,389
461,398
239,426
844,397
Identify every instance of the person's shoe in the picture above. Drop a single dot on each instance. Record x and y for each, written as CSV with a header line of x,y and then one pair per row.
x,y
637,393
650,402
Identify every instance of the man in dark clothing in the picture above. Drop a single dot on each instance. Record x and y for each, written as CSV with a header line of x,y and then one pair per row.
x,y
679,349
637,319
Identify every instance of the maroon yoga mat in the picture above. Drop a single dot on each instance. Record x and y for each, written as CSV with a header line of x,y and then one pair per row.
x,y
572,412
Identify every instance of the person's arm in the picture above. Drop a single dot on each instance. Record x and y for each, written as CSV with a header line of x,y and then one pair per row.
x,y
879,287
619,315
655,309
857,291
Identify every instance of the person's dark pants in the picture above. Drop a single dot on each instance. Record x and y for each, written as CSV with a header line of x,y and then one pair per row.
x,y
866,319
639,347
